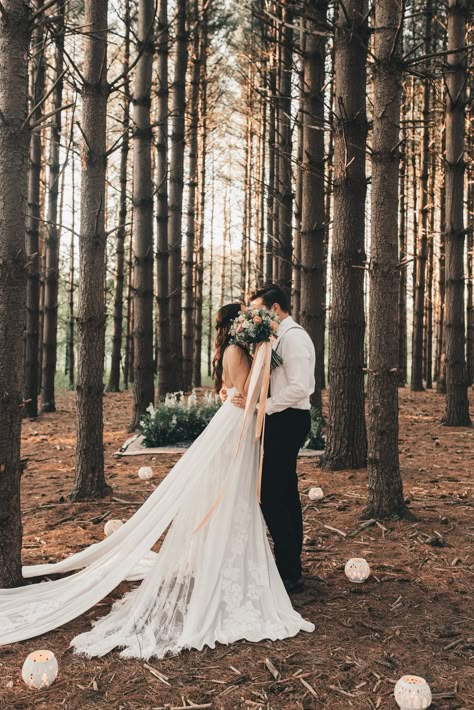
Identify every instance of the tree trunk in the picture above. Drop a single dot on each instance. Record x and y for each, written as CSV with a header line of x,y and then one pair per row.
x,y
128,364
260,234
457,403
51,276
402,299
176,197
385,491
33,224
188,281
313,215
347,442
470,262
202,152
90,481
441,333
70,335
114,376
70,359
428,356
285,211
296,278
270,243
165,364
417,355
14,141
210,296
144,389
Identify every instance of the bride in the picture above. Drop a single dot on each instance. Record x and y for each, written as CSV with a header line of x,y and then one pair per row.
x,y
214,578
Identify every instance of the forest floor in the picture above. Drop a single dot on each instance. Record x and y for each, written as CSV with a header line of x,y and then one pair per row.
x,y
415,613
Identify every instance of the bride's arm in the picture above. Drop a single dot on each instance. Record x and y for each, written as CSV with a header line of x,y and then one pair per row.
x,y
237,365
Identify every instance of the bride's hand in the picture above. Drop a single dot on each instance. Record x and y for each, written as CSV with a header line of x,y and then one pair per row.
x,y
238,400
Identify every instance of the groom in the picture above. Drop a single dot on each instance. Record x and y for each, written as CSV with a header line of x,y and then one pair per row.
x,y
287,424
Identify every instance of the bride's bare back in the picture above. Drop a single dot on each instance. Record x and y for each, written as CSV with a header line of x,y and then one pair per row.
x,y
236,369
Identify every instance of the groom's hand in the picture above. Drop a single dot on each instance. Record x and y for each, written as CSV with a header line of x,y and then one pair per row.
x,y
239,401
223,394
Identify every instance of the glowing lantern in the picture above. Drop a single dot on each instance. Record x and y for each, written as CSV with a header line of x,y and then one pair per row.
x,y
357,569
316,494
145,473
40,669
111,526
412,693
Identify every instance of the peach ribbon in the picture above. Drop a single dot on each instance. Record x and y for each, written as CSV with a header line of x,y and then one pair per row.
x,y
257,392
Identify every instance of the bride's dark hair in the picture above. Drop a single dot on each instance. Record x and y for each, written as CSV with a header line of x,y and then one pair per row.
x,y
225,315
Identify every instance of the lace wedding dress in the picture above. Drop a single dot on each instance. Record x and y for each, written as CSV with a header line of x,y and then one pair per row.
x,y
210,582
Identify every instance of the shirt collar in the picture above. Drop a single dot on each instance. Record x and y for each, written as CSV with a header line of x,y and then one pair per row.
x,y
285,324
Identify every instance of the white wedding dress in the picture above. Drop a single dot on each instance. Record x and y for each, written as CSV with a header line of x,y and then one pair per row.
x,y
218,583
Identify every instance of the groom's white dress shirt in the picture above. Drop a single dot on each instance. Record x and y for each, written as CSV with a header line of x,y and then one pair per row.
x,y
292,382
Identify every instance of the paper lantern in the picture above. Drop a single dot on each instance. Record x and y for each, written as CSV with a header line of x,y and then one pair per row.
x,y
40,669
316,494
357,569
412,693
111,526
145,473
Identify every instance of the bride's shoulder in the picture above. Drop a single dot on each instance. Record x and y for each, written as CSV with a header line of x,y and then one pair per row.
x,y
233,351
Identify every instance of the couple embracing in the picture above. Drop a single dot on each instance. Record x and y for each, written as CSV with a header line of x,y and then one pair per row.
x,y
214,578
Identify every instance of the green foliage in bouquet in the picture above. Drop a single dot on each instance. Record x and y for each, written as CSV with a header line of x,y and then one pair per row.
x,y
178,420
316,439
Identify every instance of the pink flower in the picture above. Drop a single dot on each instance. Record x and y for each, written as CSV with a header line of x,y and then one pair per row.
x,y
274,325
239,328
257,319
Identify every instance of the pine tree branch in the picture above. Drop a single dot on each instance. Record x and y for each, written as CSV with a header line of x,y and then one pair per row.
x,y
51,113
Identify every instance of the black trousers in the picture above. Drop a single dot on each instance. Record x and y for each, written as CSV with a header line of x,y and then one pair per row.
x,y
285,433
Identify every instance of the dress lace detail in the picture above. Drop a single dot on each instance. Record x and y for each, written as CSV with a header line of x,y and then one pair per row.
x,y
218,583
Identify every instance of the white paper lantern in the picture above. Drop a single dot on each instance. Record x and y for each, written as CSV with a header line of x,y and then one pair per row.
x,y
357,569
40,669
145,473
316,494
412,693
111,526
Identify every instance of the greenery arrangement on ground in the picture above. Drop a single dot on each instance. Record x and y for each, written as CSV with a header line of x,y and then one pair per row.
x,y
316,439
180,420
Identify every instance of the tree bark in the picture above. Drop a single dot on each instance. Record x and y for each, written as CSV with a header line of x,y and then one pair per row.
x,y
114,375
285,210
385,491
14,142
33,224
175,204
417,355
402,298
90,480
144,389
165,364
457,402
188,281
51,276
347,441
202,153
313,215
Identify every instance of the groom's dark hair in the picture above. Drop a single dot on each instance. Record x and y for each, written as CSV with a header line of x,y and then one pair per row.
x,y
270,294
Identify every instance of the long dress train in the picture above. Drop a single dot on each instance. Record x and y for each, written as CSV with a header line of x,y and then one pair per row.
x,y
209,583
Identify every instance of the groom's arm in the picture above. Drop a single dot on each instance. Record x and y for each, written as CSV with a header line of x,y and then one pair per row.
x,y
297,365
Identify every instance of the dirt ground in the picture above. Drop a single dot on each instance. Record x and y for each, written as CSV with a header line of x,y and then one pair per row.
x,y
415,613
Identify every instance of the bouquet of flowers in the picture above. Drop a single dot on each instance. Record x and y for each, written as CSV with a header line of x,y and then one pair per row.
x,y
256,325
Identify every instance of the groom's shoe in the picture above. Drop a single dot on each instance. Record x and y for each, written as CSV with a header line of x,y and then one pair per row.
x,y
293,586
